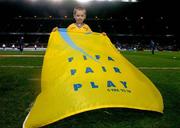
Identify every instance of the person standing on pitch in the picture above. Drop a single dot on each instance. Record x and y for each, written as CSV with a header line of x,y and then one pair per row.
x,y
152,46
79,14
21,43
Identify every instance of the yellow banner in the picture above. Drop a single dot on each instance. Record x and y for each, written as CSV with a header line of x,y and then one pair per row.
x,y
84,71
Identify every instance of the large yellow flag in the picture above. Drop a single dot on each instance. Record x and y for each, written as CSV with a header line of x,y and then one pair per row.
x,y
84,71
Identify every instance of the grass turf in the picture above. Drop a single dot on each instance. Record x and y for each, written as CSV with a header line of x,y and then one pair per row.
x,y
18,90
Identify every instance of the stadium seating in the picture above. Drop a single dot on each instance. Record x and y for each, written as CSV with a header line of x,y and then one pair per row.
x,y
130,30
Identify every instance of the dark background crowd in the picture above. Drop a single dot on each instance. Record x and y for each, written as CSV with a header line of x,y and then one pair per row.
x,y
130,25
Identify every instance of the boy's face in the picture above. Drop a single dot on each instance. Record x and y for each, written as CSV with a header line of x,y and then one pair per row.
x,y
80,16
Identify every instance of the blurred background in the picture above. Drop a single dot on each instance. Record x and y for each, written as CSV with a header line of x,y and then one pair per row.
x,y
130,24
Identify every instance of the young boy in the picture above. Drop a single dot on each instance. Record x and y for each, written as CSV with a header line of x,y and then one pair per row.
x,y
79,15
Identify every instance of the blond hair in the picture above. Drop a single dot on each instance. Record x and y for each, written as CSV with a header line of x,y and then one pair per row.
x,y
79,8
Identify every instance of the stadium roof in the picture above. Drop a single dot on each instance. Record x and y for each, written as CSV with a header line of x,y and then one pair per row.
x,y
116,8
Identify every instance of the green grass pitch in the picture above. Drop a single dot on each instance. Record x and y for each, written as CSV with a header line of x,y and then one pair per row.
x,y
20,85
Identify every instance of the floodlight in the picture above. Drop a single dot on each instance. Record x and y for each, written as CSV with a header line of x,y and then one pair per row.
x,y
83,1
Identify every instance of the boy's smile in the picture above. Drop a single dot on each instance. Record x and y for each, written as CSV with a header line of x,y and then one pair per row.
x,y
80,16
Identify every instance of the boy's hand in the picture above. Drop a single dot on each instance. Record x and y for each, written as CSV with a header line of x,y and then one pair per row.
x,y
54,29
104,34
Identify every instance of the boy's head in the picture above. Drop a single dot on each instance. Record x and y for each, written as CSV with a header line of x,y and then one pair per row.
x,y
79,14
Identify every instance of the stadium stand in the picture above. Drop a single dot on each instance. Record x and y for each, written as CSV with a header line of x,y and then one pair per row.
x,y
130,30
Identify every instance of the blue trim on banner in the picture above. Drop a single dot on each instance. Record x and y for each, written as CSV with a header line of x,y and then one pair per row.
x,y
62,30
68,40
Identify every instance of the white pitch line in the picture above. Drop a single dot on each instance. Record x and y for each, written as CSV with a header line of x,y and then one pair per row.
x,y
34,79
160,68
5,56
153,68
12,66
